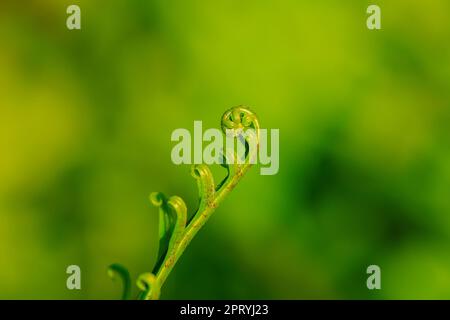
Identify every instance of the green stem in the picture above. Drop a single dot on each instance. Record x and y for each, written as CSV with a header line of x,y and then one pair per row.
x,y
175,236
195,226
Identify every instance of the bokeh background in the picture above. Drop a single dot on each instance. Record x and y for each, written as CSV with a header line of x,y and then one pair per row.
x,y
85,124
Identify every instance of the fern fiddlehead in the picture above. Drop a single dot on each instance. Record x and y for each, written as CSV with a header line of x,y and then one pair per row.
x,y
175,232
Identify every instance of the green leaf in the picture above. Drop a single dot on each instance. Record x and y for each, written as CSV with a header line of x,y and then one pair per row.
x,y
116,270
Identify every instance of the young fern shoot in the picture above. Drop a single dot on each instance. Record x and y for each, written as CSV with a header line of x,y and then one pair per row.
x,y
175,231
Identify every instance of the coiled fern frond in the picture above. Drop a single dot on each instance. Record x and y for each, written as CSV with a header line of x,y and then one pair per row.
x,y
175,232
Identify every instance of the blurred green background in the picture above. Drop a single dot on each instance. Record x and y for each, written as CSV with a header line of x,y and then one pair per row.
x,y
85,124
